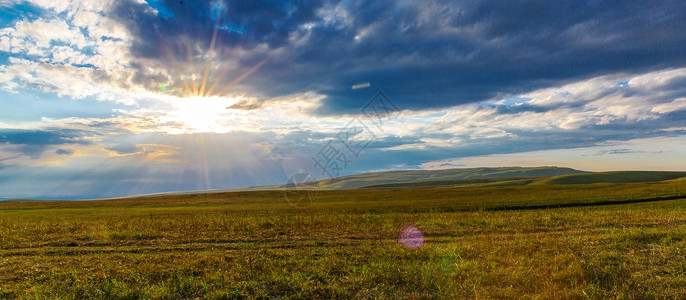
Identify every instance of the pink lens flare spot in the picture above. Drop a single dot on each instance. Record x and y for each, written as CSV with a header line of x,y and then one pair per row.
x,y
411,237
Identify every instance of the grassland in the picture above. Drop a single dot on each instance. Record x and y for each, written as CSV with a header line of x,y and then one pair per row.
x,y
598,241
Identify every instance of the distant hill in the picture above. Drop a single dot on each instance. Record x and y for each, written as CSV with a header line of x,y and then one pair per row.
x,y
481,182
21,200
402,177
464,177
584,178
368,179
613,177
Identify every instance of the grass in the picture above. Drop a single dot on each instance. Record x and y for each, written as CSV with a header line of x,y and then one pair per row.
x,y
545,241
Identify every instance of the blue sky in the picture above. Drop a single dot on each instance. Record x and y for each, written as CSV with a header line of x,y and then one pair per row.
x,y
117,98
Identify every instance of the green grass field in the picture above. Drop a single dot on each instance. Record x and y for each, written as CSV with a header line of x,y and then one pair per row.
x,y
597,241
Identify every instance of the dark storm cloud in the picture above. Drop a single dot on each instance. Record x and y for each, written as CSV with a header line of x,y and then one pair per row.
x,y
241,23
125,149
34,142
64,151
523,107
42,137
616,152
431,54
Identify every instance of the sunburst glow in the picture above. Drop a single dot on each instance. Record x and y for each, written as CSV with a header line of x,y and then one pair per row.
x,y
200,114
200,99
207,84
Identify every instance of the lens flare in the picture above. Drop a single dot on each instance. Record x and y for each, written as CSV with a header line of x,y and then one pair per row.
x,y
411,237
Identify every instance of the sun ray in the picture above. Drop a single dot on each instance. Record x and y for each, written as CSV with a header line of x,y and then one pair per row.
x,y
191,88
206,72
201,98
204,162
216,81
194,91
185,87
240,78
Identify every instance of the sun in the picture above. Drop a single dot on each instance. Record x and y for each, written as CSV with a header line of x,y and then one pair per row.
x,y
199,102
200,114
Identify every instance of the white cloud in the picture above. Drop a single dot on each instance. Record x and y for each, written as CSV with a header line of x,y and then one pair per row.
x,y
576,106
596,101
4,43
643,154
676,105
56,5
43,32
176,115
67,53
86,19
655,80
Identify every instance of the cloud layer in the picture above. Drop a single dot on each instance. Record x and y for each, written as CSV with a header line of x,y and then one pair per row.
x,y
107,91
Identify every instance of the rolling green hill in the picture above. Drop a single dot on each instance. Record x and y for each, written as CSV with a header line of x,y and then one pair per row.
x,y
479,182
365,180
20,200
403,177
586,178
613,177
465,177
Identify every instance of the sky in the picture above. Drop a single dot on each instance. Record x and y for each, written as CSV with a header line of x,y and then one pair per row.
x,y
103,98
